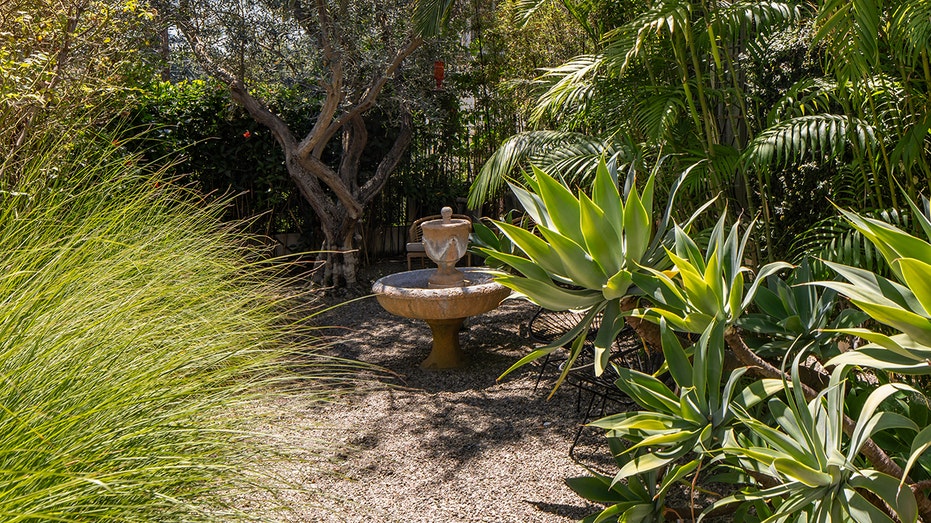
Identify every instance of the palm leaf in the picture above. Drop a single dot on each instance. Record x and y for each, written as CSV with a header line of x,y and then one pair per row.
x,y
430,16
805,138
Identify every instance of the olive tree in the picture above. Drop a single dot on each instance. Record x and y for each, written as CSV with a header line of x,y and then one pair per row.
x,y
349,54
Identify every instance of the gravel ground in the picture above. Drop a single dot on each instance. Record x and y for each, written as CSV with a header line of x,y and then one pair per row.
x,y
430,446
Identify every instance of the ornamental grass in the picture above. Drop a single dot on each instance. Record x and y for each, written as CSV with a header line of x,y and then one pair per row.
x,y
136,335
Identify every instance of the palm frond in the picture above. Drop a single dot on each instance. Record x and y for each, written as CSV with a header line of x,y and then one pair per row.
x,y
525,9
763,17
806,97
803,138
850,29
910,31
512,154
570,85
656,114
628,42
834,240
430,16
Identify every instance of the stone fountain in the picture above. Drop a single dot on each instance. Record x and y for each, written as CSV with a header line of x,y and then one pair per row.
x,y
443,297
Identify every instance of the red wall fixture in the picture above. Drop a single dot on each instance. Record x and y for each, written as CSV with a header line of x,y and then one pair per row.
x,y
438,73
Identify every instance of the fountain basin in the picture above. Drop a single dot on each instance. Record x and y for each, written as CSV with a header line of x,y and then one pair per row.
x,y
444,309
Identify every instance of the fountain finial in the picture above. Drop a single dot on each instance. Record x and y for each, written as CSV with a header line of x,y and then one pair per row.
x,y
446,213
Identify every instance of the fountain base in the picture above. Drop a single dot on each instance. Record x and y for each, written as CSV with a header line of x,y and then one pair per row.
x,y
445,353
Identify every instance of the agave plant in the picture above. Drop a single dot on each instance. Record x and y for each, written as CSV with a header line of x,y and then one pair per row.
x,y
818,474
586,253
904,305
792,314
640,499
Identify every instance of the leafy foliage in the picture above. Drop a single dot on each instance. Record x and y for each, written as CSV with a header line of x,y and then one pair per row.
x,y
789,440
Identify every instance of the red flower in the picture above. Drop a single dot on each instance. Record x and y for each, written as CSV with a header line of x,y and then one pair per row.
x,y
247,134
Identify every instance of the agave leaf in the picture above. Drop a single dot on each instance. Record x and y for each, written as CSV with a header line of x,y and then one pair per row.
x,y
647,391
870,284
918,327
550,296
860,432
675,474
604,245
595,489
606,196
618,285
641,464
734,308
638,421
920,445
899,344
770,303
891,241
758,391
561,205
693,283
519,263
612,322
714,281
577,264
666,439
887,488
766,271
534,247
637,229
679,365
532,204
880,359
660,288
916,274
780,442
802,473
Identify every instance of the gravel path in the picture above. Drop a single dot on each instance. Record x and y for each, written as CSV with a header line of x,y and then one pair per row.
x,y
450,446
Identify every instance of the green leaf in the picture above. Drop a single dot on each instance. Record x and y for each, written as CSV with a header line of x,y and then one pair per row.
x,y
766,271
679,365
532,204
431,16
550,296
519,263
802,473
641,464
606,196
561,205
534,247
647,390
675,474
618,285
920,445
579,267
918,327
917,276
594,489
611,324
601,242
888,489
637,229
757,392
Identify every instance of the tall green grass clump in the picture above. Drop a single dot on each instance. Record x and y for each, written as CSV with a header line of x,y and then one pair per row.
x,y
134,332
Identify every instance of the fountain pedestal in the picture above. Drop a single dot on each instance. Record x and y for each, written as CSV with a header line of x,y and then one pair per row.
x,y
445,353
